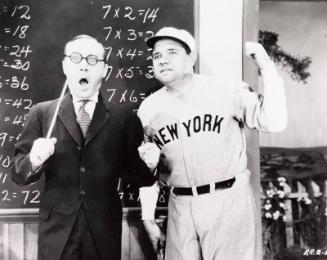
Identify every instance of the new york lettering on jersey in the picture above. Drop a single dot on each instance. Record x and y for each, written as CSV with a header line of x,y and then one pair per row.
x,y
199,123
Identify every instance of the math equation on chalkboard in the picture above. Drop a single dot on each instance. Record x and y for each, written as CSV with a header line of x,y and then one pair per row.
x,y
129,195
27,197
16,98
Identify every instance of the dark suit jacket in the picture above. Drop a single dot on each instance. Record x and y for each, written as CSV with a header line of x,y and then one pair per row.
x,y
82,172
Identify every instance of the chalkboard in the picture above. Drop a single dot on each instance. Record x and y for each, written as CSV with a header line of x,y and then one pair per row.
x,y
33,34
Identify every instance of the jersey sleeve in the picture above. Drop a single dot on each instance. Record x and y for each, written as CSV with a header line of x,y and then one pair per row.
x,y
144,113
267,112
148,197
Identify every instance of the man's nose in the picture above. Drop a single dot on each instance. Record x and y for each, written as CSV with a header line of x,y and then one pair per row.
x,y
164,59
84,66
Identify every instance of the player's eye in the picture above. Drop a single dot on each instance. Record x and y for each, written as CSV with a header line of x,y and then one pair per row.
x,y
172,52
156,56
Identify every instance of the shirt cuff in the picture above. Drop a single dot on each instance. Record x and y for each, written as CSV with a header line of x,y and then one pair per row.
x,y
148,197
155,172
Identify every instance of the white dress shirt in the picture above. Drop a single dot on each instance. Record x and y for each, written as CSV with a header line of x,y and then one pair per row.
x,y
89,107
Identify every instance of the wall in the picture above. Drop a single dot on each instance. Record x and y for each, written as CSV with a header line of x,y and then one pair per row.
x,y
220,38
18,239
302,30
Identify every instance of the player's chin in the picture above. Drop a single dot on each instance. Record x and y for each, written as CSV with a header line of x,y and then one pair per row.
x,y
164,78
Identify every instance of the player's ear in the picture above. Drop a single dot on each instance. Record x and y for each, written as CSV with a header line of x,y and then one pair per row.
x,y
193,56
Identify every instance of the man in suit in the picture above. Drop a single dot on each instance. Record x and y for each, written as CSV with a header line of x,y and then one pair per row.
x,y
92,144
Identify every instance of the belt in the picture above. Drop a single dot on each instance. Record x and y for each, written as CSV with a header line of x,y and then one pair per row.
x,y
203,189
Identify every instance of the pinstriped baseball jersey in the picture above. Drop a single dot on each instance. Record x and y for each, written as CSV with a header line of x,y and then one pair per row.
x,y
202,140
202,136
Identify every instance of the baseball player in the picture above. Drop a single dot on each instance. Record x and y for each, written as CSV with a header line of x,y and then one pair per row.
x,y
197,122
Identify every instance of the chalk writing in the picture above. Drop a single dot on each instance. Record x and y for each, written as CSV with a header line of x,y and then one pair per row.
x,y
31,48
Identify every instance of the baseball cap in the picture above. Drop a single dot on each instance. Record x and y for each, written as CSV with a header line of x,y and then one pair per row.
x,y
179,35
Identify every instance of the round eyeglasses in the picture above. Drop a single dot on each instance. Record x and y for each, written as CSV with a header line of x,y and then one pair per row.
x,y
76,58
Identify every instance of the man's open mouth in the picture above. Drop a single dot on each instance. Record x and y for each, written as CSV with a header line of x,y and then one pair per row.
x,y
83,81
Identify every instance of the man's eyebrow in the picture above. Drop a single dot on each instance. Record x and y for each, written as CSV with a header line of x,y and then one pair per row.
x,y
169,49
155,53
173,49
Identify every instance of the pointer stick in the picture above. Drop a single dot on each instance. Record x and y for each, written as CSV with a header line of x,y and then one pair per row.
x,y
53,121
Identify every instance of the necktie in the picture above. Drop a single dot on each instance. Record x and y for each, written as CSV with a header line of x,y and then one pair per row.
x,y
83,118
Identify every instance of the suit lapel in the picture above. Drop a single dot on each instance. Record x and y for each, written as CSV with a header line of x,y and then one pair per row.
x,y
68,117
99,118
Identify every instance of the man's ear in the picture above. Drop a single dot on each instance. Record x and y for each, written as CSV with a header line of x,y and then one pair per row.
x,y
64,66
105,70
193,56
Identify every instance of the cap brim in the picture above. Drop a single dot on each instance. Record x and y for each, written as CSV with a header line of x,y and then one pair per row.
x,y
152,41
